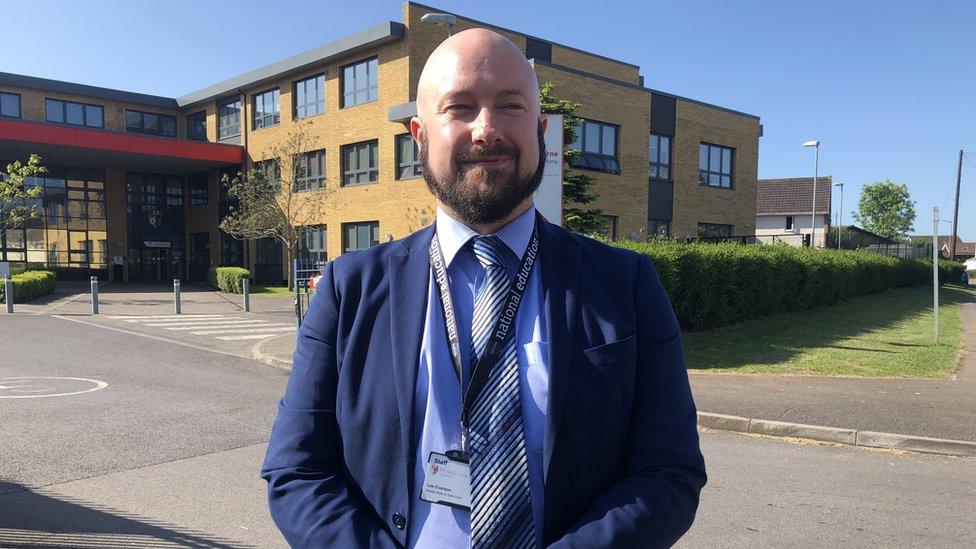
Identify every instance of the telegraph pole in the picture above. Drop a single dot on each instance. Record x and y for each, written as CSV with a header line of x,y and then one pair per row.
x,y
955,213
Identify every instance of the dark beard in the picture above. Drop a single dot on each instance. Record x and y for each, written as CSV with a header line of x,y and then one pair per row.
x,y
475,206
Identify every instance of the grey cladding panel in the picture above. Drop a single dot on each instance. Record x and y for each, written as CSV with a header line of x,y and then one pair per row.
x,y
663,112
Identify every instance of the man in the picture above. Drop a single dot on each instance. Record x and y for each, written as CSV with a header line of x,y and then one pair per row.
x,y
491,380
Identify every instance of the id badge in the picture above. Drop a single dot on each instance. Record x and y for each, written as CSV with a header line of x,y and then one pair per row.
x,y
447,481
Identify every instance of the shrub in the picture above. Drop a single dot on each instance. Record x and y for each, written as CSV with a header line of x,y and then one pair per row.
x,y
718,284
29,285
228,279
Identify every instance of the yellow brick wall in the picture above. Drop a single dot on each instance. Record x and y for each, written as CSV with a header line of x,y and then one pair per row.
x,y
624,194
32,108
577,59
116,221
694,203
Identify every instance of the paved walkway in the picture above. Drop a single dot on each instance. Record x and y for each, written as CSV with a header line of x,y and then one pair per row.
x,y
944,409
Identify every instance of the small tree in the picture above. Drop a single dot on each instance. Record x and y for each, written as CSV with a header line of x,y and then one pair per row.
x,y
14,194
885,208
576,185
278,197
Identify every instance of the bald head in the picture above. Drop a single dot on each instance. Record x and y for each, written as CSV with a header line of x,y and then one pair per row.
x,y
469,57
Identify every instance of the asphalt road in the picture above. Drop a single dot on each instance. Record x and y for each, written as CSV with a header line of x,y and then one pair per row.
x,y
163,449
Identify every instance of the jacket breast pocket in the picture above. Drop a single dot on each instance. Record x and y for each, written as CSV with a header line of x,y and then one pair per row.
x,y
612,354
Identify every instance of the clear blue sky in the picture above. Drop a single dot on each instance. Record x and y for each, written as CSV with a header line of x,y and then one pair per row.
x,y
886,85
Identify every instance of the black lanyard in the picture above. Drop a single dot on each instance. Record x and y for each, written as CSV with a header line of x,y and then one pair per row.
x,y
504,325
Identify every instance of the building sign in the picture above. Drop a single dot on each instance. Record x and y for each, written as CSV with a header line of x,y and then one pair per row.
x,y
155,244
549,197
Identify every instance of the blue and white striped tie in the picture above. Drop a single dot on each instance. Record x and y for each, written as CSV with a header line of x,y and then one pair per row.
x,y
501,512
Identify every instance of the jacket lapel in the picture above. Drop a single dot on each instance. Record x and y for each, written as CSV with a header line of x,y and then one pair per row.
x,y
560,263
409,278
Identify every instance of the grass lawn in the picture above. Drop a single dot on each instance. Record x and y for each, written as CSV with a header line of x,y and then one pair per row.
x,y
887,334
272,290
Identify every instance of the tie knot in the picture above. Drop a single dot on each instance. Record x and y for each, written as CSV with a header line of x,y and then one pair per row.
x,y
490,250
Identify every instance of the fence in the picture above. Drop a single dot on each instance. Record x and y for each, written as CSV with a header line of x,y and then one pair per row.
x,y
304,270
793,239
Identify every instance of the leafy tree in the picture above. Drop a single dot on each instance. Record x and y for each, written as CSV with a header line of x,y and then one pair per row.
x,y
15,209
576,184
886,209
271,200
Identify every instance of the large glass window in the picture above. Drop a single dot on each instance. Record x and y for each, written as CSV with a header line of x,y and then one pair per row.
x,y
150,123
231,250
199,249
359,236
310,96
310,171
269,170
266,109
660,157
715,166
408,157
199,189
714,230
312,244
609,228
196,126
597,143
360,82
76,114
268,251
10,105
658,228
360,164
229,119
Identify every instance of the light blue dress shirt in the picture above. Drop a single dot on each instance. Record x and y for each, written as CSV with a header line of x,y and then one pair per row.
x,y
437,411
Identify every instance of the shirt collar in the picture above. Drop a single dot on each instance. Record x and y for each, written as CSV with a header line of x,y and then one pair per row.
x,y
453,235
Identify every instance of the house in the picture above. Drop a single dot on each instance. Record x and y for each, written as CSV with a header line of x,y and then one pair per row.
x,y
783,210
964,250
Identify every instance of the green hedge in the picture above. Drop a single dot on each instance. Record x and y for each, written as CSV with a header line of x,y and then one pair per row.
x,y
29,285
718,284
228,279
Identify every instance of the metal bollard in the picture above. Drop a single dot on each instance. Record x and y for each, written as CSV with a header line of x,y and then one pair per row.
x,y
94,295
247,294
8,293
176,295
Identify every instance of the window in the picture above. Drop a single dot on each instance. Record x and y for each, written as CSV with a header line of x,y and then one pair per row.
x,y
150,123
266,109
714,230
359,82
196,126
312,244
199,189
76,114
269,170
408,157
789,223
268,251
174,193
10,104
226,177
359,236
359,163
200,248
658,228
310,171
660,157
609,228
231,250
310,96
229,119
715,166
597,143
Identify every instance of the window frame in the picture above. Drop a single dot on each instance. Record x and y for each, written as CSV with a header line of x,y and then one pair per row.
x,y
20,105
415,166
373,172
142,123
240,108
305,235
275,115
656,164
195,193
344,104
64,113
320,105
306,182
191,119
374,231
587,160
790,223
716,226
704,175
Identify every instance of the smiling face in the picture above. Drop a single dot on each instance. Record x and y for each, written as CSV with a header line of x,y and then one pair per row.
x,y
479,127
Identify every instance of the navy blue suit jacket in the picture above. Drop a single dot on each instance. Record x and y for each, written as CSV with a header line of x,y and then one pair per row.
x,y
621,458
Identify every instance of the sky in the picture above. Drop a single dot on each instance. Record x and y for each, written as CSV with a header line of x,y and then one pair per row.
x,y
888,87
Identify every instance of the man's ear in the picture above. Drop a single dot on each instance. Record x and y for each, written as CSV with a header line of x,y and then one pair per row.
x,y
417,130
543,123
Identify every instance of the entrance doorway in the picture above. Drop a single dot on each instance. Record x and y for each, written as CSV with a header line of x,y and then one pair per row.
x,y
155,264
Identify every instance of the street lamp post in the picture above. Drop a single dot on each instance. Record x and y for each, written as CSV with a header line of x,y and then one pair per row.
x,y
442,19
840,213
813,212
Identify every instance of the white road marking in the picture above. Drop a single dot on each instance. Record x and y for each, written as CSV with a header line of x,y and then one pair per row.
x,y
98,385
242,324
176,320
235,338
201,321
244,331
160,316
